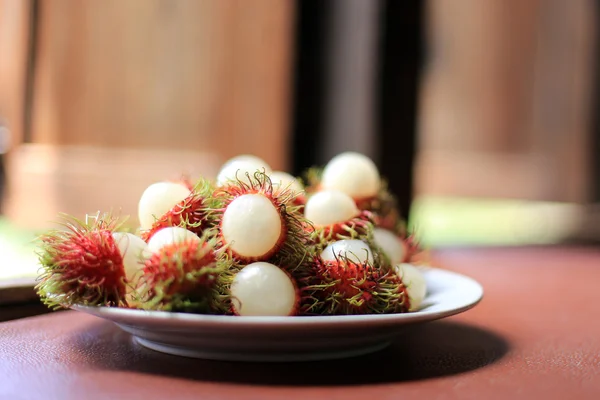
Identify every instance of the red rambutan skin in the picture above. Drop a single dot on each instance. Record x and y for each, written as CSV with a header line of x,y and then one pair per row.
x,y
414,253
352,280
353,228
188,213
300,202
344,287
83,266
360,223
364,203
384,208
388,221
168,269
411,247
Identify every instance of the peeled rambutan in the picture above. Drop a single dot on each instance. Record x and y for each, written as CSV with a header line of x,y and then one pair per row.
x,y
85,264
414,281
392,245
157,199
183,276
192,213
258,223
350,172
400,244
357,251
264,289
357,176
239,168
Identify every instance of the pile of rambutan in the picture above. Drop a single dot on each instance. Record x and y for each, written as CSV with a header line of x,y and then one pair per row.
x,y
252,242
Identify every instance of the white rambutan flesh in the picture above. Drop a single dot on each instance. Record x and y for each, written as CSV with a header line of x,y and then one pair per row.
x,y
263,289
283,180
391,245
170,235
238,168
352,173
354,250
415,284
252,226
330,207
158,199
133,250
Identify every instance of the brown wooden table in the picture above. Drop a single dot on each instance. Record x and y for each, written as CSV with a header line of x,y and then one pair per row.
x,y
536,334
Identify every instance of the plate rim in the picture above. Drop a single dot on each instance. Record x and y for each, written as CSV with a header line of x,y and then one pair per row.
x,y
136,316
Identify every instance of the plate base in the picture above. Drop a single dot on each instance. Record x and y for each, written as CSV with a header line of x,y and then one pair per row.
x,y
262,357
286,339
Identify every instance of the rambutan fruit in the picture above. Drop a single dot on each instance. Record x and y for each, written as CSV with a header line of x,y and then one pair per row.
x,y
283,181
349,278
170,235
186,181
357,251
414,282
333,215
241,168
158,199
346,287
384,208
352,173
357,175
88,263
264,289
183,275
398,248
329,207
132,249
192,212
413,247
391,245
258,223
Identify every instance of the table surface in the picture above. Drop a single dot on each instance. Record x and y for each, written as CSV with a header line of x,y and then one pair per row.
x,y
536,334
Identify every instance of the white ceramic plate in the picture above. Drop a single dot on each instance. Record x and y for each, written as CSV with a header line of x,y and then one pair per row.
x,y
288,338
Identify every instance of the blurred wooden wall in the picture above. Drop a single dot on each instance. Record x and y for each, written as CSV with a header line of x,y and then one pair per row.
x,y
505,100
14,36
125,93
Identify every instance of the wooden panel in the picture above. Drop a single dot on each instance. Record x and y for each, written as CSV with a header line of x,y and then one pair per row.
x,y
477,92
14,30
79,180
204,75
506,100
563,91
